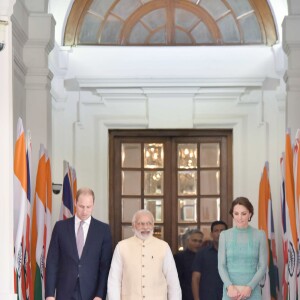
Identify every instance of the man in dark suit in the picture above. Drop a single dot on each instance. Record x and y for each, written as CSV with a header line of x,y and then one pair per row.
x,y
184,261
73,273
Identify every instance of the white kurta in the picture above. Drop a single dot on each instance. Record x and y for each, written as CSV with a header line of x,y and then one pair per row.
x,y
143,270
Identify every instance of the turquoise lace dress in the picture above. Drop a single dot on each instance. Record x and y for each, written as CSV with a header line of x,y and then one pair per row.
x,y
242,259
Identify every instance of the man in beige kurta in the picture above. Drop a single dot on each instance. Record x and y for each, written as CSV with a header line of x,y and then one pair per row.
x,y
143,266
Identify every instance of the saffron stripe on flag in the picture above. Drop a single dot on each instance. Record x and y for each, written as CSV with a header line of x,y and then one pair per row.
x,y
20,199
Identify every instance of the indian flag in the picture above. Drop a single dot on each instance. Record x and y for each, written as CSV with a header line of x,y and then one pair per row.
x,y
20,200
297,197
27,227
49,204
38,245
291,219
266,222
284,287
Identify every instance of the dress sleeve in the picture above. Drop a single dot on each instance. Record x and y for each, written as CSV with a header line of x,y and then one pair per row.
x,y
222,264
262,261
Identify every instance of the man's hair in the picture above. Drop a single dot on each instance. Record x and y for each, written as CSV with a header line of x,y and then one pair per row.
x,y
142,212
85,191
193,231
215,223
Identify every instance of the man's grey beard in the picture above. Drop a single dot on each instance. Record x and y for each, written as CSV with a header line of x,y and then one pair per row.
x,y
141,236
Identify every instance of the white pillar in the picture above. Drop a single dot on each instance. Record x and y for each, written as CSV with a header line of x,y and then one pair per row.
x,y
6,154
38,83
291,45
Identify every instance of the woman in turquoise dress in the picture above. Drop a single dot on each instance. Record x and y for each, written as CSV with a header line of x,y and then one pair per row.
x,y
242,255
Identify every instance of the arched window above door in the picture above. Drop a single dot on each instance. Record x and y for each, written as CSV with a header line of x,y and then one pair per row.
x,y
170,22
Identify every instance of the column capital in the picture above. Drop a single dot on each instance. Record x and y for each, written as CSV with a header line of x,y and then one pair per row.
x,y
6,8
291,37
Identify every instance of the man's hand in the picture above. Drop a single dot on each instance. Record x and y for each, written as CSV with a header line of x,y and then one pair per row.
x,y
50,298
196,276
96,298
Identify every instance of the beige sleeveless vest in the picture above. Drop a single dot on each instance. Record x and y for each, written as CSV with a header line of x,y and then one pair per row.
x,y
142,276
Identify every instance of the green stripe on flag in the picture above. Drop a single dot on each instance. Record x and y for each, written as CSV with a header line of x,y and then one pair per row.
x,y
38,284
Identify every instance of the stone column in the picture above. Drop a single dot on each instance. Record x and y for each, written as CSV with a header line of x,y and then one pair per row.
x,y
38,83
6,154
291,45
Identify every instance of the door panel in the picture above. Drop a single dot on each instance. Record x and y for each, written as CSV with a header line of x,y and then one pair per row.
x,y
184,177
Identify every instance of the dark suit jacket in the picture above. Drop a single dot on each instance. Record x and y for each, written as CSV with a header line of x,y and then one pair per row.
x,y
63,266
184,261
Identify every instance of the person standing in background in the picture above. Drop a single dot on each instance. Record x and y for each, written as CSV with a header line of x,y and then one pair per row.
x,y
184,260
242,255
143,266
79,254
206,282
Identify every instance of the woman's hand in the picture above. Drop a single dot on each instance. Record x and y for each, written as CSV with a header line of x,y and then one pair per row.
x,y
245,292
233,293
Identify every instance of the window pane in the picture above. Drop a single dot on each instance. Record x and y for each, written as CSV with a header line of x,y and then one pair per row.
x,y
131,182
127,232
229,29
158,232
209,209
210,182
187,156
156,207
111,30
153,155
129,207
187,183
131,155
187,210
124,8
182,235
155,19
202,34
154,183
252,35
206,231
209,155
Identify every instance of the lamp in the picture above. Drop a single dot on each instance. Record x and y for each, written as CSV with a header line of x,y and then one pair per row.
x,y
2,33
56,188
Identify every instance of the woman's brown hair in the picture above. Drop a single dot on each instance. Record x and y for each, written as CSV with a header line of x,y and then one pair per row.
x,y
242,201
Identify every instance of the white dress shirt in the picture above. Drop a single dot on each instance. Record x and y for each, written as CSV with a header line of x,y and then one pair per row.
x,y
85,226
